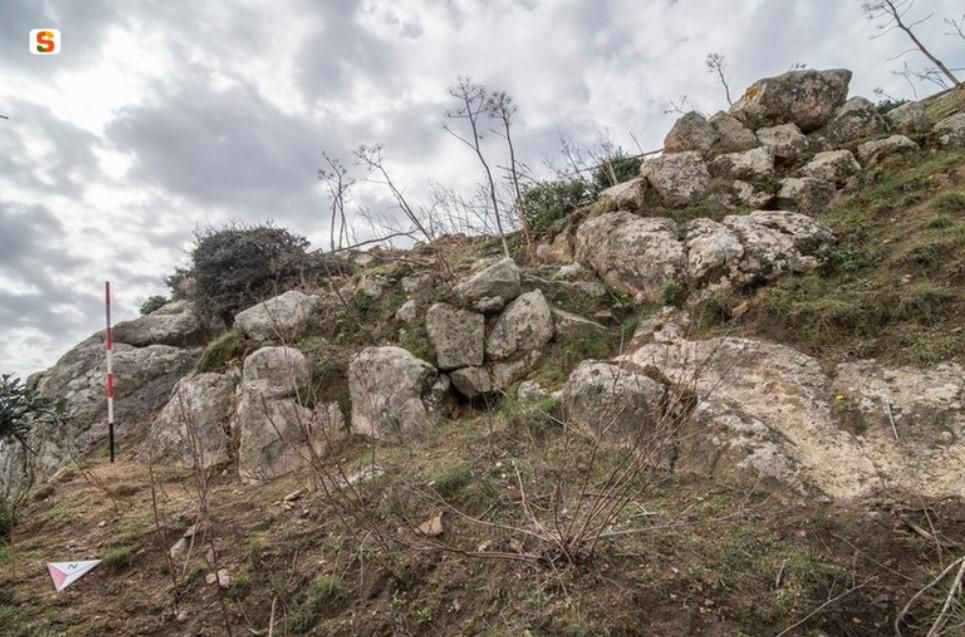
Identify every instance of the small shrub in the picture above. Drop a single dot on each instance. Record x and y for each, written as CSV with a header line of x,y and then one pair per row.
x,y
416,341
152,304
845,259
545,203
714,311
323,591
239,266
624,169
888,104
6,518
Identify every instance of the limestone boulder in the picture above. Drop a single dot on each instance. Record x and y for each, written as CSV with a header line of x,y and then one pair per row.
x,y
393,392
690,133
856,119
878,150
754,164
629,195
472,382
635,255
835,166
713,250
755,196
525,325
501,279
570,326
194,429
732,135
950,132
679,179
275,372
807,98
805,194
786,140
909,119
613,402
283,318
778,242
173,324
457,336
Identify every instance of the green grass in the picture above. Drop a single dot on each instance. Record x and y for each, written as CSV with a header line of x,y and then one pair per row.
x,y
949,201
323,591
451,479
227,347
119,556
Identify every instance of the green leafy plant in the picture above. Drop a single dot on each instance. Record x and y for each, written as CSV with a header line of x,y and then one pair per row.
x,y
545,203
152,304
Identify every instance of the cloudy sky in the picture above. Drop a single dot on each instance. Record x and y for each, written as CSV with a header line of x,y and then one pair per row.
x,y
163,116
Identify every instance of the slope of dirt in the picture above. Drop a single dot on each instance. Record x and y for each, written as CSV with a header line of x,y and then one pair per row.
x,y
685,557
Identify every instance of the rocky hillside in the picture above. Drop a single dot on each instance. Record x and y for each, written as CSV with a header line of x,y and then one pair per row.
x,y
727,398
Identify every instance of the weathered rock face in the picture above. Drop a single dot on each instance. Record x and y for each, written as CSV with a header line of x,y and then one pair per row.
x,y
283,318
501,279
275,372
408,312
571,326
776,242
629,195
787,141
641,256
757,163
457,336
713,250
732,135
678,178
173,324
612,402
194,427
526,325
806,98
143,379
909,119
751,195
472,382
634,254
690,132
806,194
276,432
877,150
769,411
392,391
950,132
856,119
835,166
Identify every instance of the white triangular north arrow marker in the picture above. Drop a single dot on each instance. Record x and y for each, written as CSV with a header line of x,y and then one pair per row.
x,y
66,573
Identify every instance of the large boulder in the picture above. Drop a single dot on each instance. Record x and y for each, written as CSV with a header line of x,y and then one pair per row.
x,y
755,164
194,427
733,136
950,132
472,382
569,326
713,250
806,98
805,194
766,411
499,280
283,318
526,325
856,119
282,435
173,324
786,140
612,402
690,132
878,150
628,195
143,380
276,372
777,242
678,178
909,119
392,391
636,255
457,336
835,166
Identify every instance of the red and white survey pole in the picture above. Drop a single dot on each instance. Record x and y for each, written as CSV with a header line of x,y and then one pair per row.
x,y
109,346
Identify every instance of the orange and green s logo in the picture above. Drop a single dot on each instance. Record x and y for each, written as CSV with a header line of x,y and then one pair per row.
x,y
45,41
